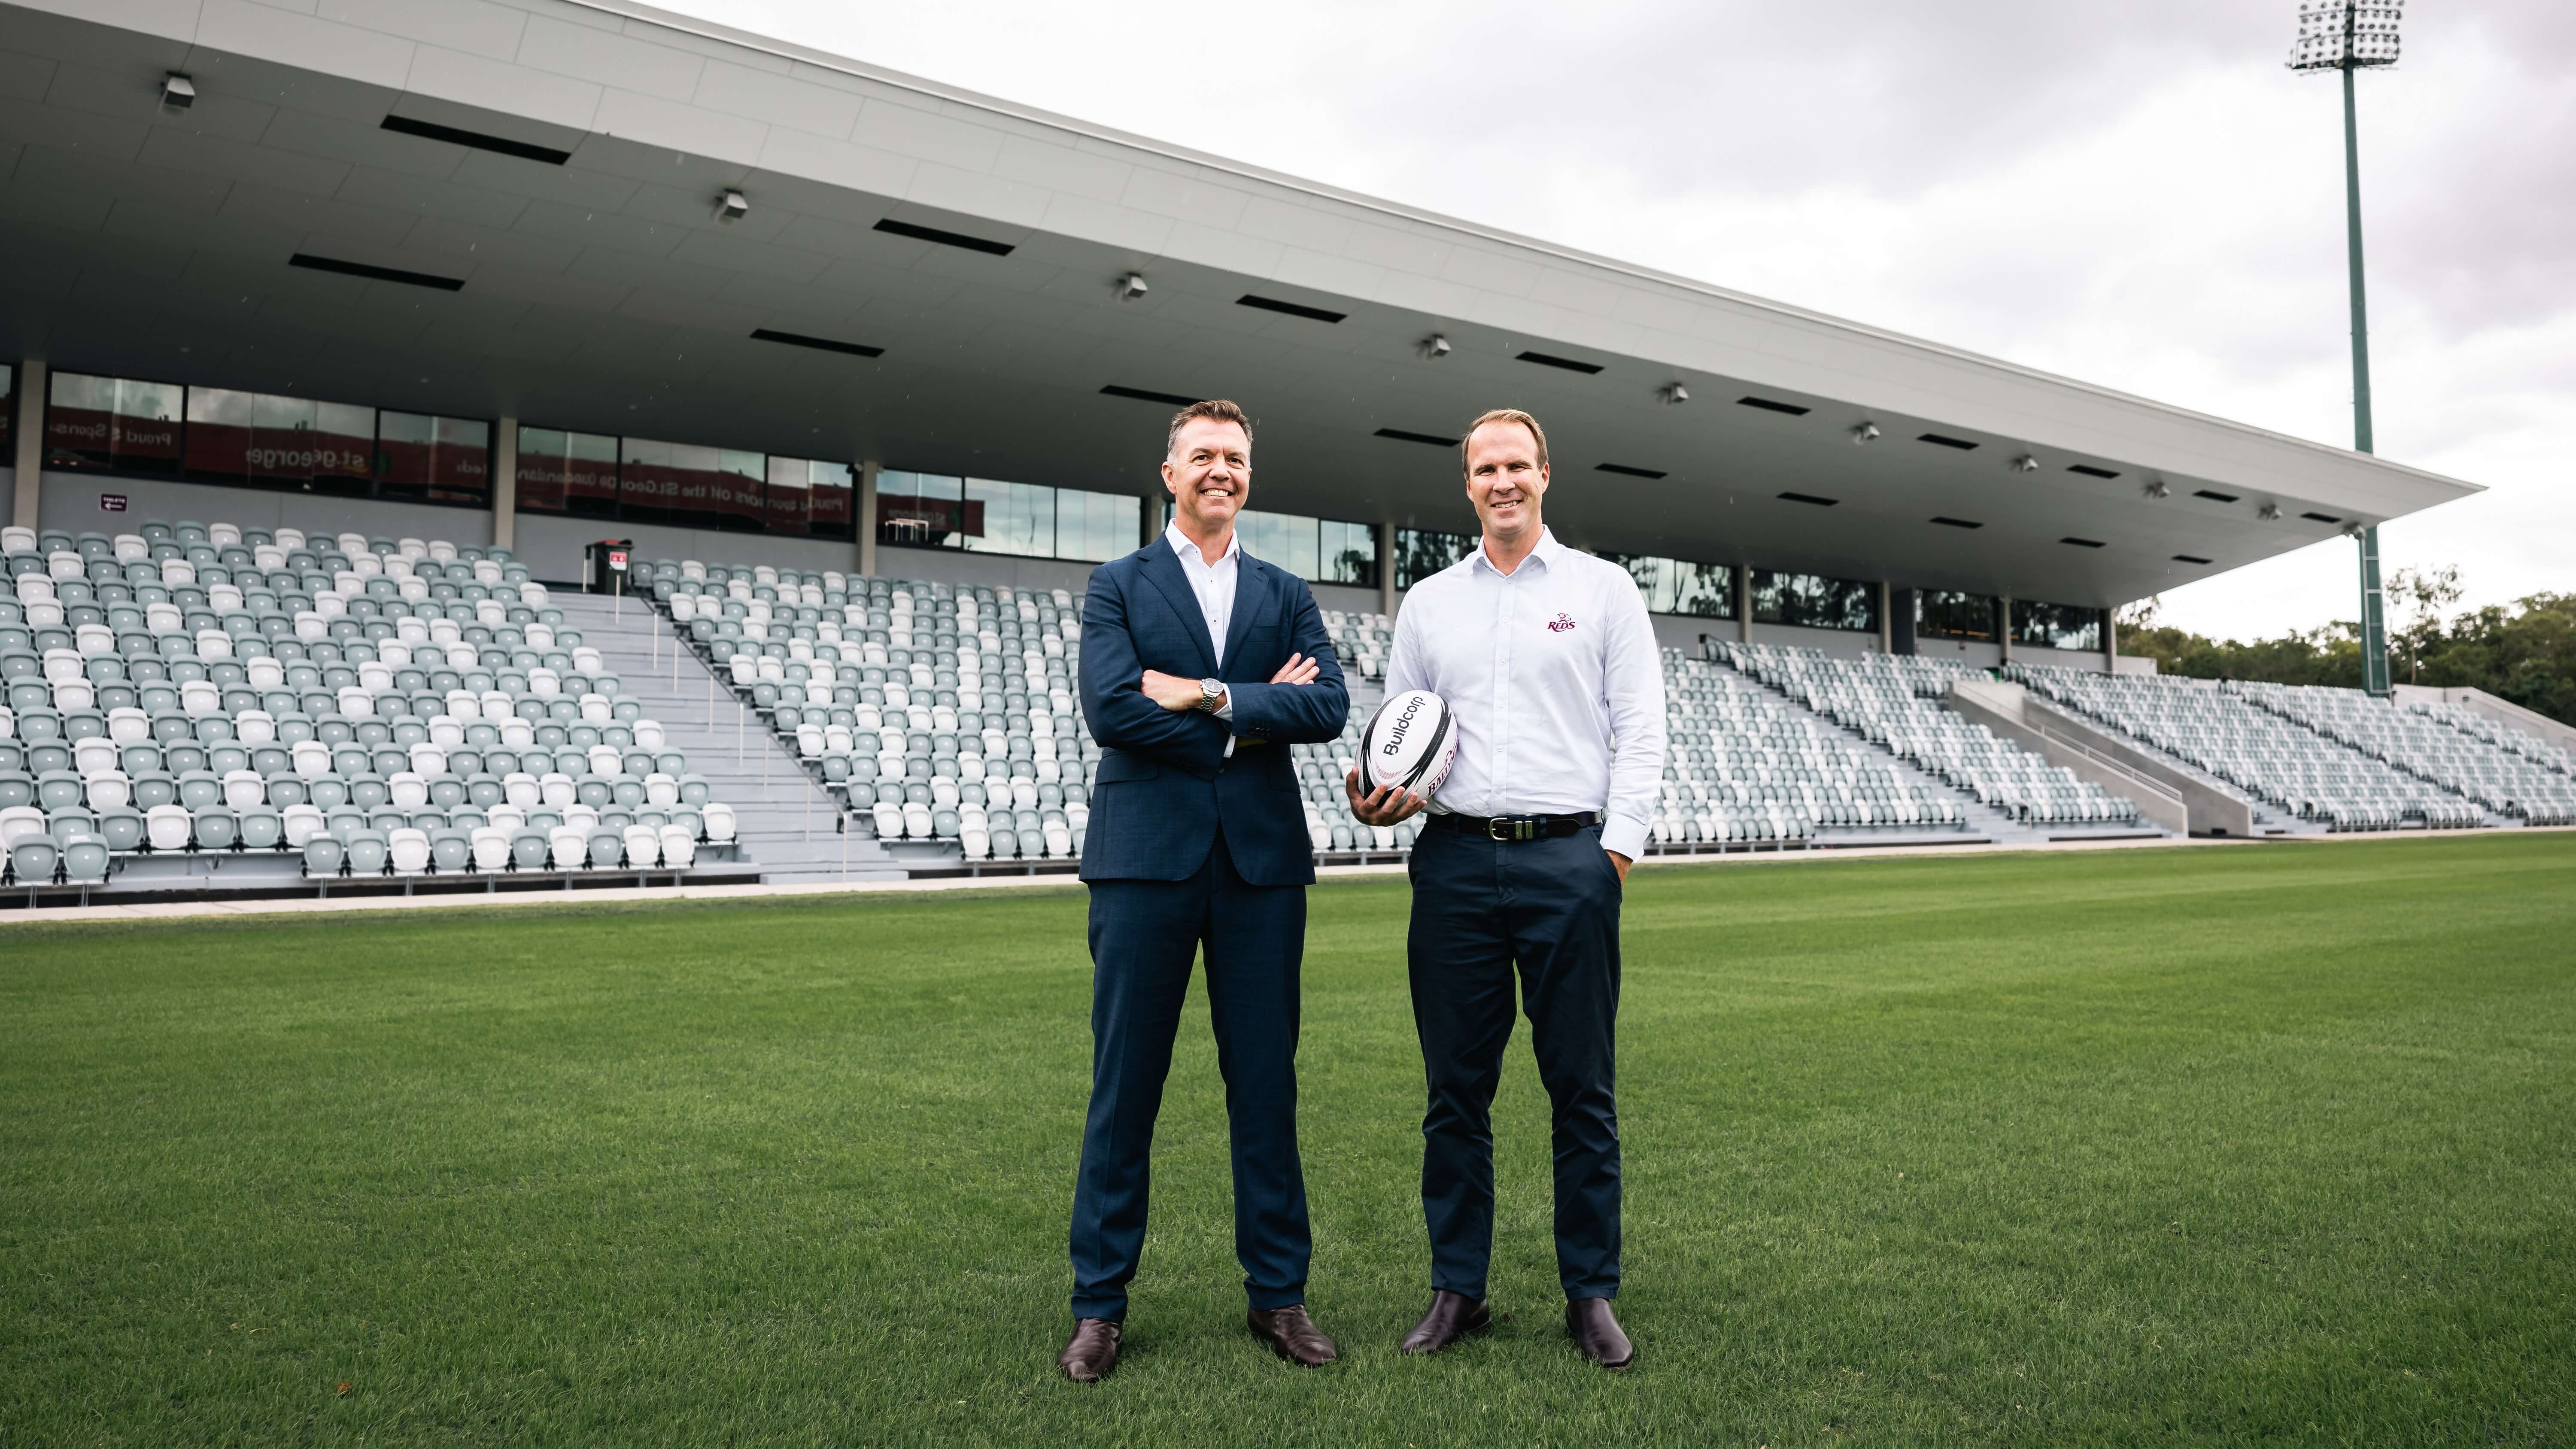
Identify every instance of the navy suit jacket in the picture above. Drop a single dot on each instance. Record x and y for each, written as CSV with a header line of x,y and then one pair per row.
x,y
1165,783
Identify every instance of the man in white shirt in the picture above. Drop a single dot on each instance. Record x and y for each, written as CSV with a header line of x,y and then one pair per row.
x,y
1548,663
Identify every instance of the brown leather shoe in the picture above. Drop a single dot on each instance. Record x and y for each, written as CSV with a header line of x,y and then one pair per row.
x,y
1452,1317
1596,1330
1292,1335
1092,1351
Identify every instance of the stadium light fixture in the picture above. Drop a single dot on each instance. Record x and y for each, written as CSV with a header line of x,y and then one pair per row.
x,y
2269,513
178,92
731,206
2026,463
2346,36
1673,395
1432,348
2157,489
1130,287
1864,434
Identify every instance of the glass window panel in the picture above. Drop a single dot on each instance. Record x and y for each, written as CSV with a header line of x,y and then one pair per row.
x,y
737,490
541,470
1017,518
1812,601
832,498
460,461
2056,626
1420,553
1096,527
344,445
281,441
1704,591
1347,554
147,425
404,444
1946,614
791,495
79,415
924,510
219,434
8,403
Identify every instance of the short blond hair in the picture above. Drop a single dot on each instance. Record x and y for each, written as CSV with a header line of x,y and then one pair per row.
x,y
1215,410
1504,415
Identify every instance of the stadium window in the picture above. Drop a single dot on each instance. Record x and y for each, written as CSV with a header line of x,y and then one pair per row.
x,y
1289,540
691,486
1017,518
1812,601
809,498
420,458
1944,614
1422,552
2056,626
8,404
570,473
1346,553
1096,527
923,510
261,440
112,423
1672,586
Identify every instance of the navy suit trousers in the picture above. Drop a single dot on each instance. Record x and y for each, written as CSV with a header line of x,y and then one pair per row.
x,y
1551,909
1143,936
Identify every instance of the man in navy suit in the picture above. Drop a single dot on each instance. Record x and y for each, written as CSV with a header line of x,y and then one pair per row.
x,y
1200,665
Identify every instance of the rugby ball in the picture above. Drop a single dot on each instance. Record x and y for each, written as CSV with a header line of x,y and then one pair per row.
x,y
1408,743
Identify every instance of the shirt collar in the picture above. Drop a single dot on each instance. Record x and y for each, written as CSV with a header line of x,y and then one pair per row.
x,y
1189,552
1546,553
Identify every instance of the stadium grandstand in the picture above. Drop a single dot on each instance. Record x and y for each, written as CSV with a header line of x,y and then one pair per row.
x,y
637,450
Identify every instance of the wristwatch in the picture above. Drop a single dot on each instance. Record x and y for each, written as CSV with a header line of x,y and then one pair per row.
x,y
1211,694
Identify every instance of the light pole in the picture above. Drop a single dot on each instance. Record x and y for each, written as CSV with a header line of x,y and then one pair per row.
x,y
2346,36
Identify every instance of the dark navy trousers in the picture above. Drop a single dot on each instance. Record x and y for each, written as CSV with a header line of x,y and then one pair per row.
x,y
1550,909
1143,936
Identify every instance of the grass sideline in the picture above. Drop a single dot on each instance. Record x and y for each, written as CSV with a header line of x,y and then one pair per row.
x,y
2086,1147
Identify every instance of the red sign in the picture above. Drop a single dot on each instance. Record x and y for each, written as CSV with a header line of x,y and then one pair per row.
x,y
617,559
111,503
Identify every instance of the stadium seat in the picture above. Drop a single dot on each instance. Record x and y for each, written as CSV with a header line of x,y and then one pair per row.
x,y
167,827
408,851
489,847
324,856
528,849
33,860
569,846
368,853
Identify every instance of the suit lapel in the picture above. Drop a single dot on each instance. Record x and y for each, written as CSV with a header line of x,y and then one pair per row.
x,y
1163,568
1251,592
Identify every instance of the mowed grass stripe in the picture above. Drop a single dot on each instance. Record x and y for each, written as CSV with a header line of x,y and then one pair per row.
x,y
2214,1144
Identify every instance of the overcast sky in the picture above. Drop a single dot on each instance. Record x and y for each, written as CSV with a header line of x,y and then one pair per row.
x,y
2137,195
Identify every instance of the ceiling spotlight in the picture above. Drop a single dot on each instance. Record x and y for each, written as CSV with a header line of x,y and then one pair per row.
x,y
2157,489
1130,287
2355,529
2269,513
178,92
2025,464
1674,394
731,206
1866,432
1432,348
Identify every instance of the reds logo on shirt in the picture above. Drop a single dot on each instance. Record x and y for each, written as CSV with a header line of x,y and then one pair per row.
x,y
1560,624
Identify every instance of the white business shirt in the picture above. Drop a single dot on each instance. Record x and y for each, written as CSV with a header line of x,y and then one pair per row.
x,y
1214,585
1553,679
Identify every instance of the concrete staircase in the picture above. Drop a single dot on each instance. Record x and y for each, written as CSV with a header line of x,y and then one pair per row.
x,y
789,827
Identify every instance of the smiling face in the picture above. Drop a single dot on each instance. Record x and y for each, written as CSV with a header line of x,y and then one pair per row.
x,y
1505,480
1209,473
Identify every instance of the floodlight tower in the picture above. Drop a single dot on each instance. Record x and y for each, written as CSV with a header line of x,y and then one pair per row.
x,y
2346,36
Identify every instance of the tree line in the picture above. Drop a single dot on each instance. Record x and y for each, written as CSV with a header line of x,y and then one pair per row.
x,y
2524,651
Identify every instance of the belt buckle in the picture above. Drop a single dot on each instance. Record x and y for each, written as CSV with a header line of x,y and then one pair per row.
x,y
1500,829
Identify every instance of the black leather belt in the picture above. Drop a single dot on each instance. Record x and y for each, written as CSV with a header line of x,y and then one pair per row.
x,y
1509,828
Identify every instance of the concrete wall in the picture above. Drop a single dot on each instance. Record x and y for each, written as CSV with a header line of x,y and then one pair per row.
x,y
1976,654
2211,809
2001,707
2502,711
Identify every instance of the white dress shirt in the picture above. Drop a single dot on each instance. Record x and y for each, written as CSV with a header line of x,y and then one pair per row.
x,y
1214,584
1553,678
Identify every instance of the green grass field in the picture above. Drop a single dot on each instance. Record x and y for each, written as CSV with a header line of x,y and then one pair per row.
x,y
2255,1143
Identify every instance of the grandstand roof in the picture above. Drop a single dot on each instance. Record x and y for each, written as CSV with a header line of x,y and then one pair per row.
x,y
594,289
